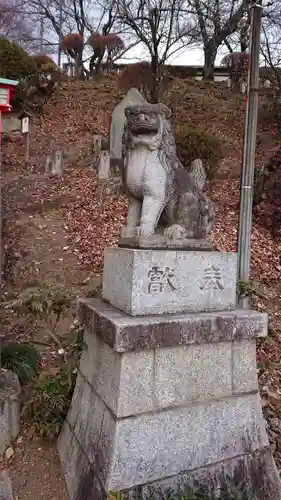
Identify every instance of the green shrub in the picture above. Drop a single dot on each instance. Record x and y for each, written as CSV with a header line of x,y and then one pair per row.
x,y
47,406
192,143
47,305
21,359
15,63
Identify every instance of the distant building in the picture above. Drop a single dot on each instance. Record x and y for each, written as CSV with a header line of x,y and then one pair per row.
x,y
221,73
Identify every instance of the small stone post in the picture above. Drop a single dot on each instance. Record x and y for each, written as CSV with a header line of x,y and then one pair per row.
x,y
57,164
9,406
97,145
25,124
2,338
104,167
54,164
48,164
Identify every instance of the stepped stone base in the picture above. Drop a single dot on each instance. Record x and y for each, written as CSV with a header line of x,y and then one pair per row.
x,y
143,411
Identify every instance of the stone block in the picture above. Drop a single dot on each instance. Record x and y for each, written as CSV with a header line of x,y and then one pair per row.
x,y
244,366
104,167
9,408
81,476
141,282
106,379
74,462
186,374
153,446
127,333
87,403
76,401
160,242
89,422
110,375
253,475
101,367
6,491
150,447
136,394
105,449
88,360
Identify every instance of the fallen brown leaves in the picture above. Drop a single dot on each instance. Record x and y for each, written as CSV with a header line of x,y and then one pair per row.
x,y
265,249
94,221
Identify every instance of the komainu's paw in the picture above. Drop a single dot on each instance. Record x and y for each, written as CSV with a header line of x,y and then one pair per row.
x,y
175,232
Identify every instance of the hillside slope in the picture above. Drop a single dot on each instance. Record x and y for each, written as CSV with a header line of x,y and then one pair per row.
x,y
80,109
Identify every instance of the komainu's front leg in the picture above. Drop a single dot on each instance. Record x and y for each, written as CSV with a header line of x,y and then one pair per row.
x,y
134,213
151,210
133,219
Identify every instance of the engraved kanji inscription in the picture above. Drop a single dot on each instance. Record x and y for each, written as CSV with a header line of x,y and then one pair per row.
x,y
212,279
159,278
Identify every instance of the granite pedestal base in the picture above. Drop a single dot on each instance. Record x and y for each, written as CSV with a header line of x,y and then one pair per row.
x,y
153,409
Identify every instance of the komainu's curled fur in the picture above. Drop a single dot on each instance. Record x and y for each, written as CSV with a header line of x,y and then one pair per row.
x,y
158,185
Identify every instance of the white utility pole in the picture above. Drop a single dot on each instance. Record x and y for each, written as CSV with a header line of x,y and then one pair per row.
x,y
249,149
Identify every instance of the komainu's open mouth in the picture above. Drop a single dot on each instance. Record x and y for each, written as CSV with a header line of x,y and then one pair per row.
x,y
143,125
141,129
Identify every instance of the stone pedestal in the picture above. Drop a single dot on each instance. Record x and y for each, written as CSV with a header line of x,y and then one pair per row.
x,y
157,400
167,400
9,408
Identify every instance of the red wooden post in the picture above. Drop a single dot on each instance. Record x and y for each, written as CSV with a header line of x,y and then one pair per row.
x,y
0,138
7,88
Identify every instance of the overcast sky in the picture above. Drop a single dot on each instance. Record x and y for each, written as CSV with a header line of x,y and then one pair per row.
x,y
186,57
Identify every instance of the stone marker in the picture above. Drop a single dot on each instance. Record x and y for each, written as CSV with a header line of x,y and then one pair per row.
x,y
54,164
133,96
96,145
57,164
10,408
104,168
166,393
48,164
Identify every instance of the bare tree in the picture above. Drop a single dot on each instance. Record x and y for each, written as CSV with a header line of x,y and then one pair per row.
x,y
216,21
64,17
157,25
15,24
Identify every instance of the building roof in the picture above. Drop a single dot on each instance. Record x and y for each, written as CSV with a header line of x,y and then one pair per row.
x,y
6,81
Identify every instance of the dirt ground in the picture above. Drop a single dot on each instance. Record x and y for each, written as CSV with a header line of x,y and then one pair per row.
x,y
37,250
36,473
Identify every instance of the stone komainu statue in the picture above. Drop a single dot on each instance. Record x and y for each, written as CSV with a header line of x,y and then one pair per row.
x,y
161,190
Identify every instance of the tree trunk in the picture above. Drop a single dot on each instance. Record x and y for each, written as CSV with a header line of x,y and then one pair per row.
x,y
209,63
154,71
79,69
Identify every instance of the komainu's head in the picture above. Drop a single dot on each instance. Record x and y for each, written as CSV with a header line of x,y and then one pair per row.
x,y
146,124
